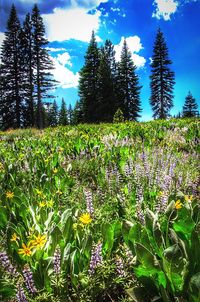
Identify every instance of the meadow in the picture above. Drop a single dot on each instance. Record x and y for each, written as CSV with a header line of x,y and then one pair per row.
x,y
105,212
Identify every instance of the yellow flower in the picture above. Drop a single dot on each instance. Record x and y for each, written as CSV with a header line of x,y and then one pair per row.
x,y
39,241
178,204
188,198
42,204
59,192
85,218
55,171
50,203
9,195
25,250
14,237
40,193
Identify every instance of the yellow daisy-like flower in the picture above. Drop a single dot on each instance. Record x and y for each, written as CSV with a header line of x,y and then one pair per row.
x,y
14,237
26,250
85,218
39,241
42,204
9,195
178,204
188,198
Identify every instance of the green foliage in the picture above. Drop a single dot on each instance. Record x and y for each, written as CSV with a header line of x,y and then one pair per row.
x,y
118,116
101,212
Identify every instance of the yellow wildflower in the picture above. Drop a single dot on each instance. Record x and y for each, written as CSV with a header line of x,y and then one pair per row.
x,y
40,193
178,204
42,204
9,195
50,203
55,171
14,237
59,192
188,198
25,250
85,218
39,241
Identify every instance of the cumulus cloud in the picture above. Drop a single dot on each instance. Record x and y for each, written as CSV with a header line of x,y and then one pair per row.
x,y
62,74
134,45
73,23
164,9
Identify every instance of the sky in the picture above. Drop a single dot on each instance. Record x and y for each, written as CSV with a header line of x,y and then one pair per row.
x,y
69,24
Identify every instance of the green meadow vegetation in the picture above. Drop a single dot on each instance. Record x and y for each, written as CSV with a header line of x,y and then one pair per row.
x,y
106,212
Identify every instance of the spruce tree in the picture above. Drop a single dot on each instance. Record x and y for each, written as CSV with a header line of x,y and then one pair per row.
x,y
77,116
63,114
128,88
162,79
190,108
11,105
106,83
70,114
53,114
88,82
44,81
29,63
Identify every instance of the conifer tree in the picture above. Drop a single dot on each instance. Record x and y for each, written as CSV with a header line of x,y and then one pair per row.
x,y
44,81
88,82
128,88
162,79
77,116
53,114
11,105
70,114
29,63
63,114
106,83
190,108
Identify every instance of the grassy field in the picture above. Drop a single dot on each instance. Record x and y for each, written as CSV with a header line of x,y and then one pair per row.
x,y
104,212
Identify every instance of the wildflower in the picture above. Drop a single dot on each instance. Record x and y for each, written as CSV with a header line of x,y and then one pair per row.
x,y
39,241
57,261
178,204
120,267
85,218
55,171
59,192
14,237
28,277
9,195
20,295
40,193
7,265
42,204
50,203
88,196
188,198
96,258
25,250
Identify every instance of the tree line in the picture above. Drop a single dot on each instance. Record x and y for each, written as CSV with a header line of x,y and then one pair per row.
x,y
106,87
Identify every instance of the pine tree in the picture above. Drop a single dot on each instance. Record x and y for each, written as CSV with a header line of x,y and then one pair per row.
x,y
11,105
63,114
162,79
88,83
77,116
128,88
190,108
70,114
53,114
29,63
44,81
106,83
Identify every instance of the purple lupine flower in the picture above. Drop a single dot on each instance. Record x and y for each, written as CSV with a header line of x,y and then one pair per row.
x,y
89,203
96,258
57,261
20,295
120,267
6,264
28,277
139,202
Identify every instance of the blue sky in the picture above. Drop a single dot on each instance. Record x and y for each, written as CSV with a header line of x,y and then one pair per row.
x,y
69,24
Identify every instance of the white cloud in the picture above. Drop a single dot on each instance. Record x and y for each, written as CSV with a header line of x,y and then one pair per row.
x,y
62,74
2,37
72,23
134,46
53,49
64,59
164,9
